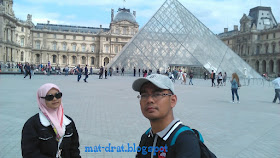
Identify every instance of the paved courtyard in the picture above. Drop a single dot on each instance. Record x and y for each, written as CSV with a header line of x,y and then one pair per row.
x,y
107,112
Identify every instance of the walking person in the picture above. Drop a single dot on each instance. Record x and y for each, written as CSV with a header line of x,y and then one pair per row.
x,y
276,83
27,70
50,133
101,72
234,86
213,78
79,72
86,74
139,71
134,72
225,78
167,137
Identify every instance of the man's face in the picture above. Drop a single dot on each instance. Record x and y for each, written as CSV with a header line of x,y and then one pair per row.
x,y
155,108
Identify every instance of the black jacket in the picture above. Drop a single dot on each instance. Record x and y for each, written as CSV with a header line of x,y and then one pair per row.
x,y
39,141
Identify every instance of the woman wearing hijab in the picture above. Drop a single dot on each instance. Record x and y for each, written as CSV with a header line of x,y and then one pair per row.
x,y
50,133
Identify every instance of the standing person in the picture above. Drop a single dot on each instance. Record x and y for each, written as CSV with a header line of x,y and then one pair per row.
x,y
157,100
122,71
117,71
134,71
66,70
225,78
50,133
27,70
79,72
276,83
105,72
213,75
32,69
86,74
111,71
205,75
184,76
139,71
49,68
90,70
220,79
158,72
191,77
234,86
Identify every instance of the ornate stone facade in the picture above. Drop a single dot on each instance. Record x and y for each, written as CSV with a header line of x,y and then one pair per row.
x,y
22,41
258,40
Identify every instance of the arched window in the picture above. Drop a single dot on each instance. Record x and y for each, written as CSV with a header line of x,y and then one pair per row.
x,y
106,61
83,60
54,45
38,58
83,47
264,66
74,59
92,60
92,48
54,58
64,46
74,47
21,56
257,66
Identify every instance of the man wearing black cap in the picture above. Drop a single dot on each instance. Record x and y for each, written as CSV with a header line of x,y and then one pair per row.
x,y
157,100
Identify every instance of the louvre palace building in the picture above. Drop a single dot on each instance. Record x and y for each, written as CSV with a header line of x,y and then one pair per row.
x,y
22,41
257,41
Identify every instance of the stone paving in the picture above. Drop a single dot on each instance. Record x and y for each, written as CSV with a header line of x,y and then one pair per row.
x,y
107,111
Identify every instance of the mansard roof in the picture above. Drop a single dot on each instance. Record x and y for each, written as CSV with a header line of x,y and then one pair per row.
x,y
70,28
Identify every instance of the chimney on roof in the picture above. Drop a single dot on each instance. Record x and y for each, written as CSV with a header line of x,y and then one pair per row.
x,y
134,13
235,27
225,30
48,22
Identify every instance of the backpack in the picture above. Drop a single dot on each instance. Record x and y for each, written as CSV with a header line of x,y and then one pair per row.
x,y
204,151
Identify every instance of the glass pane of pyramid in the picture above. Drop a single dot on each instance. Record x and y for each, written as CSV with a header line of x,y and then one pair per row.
x,y
174,36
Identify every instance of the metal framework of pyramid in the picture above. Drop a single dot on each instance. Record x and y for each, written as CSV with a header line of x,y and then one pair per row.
x,y
174,36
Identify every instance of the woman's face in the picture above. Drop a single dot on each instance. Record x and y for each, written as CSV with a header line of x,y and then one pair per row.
x,y
55,103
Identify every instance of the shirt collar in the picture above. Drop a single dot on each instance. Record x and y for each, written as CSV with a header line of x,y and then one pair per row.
x,y
165,133
45,122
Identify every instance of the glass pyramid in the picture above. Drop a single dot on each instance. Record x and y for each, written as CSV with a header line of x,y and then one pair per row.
x,y
174,36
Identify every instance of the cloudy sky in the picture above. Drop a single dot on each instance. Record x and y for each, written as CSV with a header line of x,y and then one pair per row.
x,y
215,14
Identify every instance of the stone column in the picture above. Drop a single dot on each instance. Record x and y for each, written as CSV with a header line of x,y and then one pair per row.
x,y
41,58
68,60
275,67
78,60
